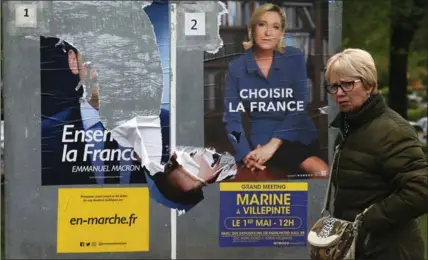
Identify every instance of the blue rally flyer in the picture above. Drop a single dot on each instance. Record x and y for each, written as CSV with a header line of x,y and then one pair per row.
x,y
263,214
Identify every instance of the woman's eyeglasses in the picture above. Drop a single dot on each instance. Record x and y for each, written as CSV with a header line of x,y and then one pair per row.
x,y
346,86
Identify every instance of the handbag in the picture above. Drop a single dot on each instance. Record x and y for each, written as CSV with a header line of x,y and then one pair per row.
x,y
332,238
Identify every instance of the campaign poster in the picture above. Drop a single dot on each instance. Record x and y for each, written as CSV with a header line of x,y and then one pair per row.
x,y
105,96
95,220
263,214
263,109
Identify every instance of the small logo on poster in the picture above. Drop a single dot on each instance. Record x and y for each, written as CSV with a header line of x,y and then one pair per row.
x,y
83,244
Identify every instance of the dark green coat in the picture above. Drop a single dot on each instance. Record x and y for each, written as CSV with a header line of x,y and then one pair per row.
x,y
381,162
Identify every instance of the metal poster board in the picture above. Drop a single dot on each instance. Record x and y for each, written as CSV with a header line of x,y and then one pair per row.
x,y
109,105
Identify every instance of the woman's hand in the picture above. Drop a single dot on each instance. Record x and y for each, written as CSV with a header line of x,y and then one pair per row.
x,y
251,163
259,156
263,153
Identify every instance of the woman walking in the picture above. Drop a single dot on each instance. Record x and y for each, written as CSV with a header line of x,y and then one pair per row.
x,y
379,163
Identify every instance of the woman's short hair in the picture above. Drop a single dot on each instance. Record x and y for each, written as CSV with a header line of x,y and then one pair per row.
x,y
255,17
355,63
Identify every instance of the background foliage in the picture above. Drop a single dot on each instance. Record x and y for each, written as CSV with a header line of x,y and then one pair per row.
x,y
369,25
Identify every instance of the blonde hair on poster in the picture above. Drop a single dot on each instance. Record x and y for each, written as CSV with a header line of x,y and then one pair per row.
x,y
259,11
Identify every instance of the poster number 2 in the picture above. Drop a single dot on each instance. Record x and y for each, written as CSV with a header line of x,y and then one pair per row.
x,y
194,24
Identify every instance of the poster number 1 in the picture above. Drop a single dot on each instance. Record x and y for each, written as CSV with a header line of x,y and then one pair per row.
x,y
26,15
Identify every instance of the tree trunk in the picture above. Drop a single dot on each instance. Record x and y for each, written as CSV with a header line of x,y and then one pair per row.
x,y
398,56
403,28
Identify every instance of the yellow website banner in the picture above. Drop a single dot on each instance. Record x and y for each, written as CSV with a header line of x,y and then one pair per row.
x,y
103,220
264,186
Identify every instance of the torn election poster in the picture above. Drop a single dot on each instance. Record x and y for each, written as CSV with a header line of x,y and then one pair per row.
x,y
84,94
193,168
99,127
188,171
177,184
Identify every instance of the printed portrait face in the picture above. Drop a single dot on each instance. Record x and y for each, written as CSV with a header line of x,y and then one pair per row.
x,y
268,30
72,62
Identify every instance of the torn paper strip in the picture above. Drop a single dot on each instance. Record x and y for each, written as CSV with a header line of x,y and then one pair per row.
x,y
125,48
192,168
211,42
144,4
224,162
143,134
223,11
324,110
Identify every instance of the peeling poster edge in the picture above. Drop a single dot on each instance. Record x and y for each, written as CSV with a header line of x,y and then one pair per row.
x,y
223,12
